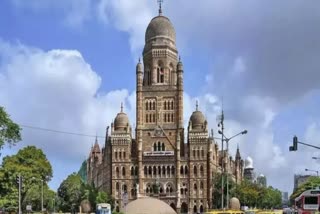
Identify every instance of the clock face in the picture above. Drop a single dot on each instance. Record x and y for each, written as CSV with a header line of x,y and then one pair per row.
x,y
158,132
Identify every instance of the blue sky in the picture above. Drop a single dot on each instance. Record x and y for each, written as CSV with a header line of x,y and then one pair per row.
x,y
67,65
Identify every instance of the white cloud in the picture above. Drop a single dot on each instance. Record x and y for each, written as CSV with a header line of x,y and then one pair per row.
x,y
57,89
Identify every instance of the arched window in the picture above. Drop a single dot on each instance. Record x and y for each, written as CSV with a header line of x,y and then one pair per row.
x,y
186,170
198,153
181,191
124,188
202,153
165,118
172,170
132,171
123,171
163,170
195,186
161,190
163,147
117,186
147,106
124,155
165,105
145,171
168,170
150,170
201,170
171,117
154,118
159,146
116,154
154,171
194,153
159,170
136,171
154,147
201,185
150,105
181,170
120,154
195,171
147,118
154,105
117,172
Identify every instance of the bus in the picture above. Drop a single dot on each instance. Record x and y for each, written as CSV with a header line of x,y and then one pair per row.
x,y
103,208
308,202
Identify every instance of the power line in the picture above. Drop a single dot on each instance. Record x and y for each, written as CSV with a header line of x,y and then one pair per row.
x,y
58,131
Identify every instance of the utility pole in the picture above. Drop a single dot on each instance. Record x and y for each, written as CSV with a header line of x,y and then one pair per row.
x,y
19,181
222,162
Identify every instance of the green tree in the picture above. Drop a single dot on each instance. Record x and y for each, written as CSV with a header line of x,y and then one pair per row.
x,y
9,131
31,163
217,190
70,193
310,183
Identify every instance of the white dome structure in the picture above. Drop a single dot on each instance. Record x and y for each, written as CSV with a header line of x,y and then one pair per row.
x,y
149,205
248,163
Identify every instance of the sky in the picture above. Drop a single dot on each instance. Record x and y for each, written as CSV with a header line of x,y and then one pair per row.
x,y
67,65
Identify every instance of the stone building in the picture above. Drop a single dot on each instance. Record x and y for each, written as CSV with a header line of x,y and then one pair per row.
x,y
161,161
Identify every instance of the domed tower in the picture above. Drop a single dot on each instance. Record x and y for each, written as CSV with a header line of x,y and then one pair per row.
x,y
121,152
198,150
159,113
249,170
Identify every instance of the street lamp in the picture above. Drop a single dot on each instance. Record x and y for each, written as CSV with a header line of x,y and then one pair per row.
x,y
310,170
227,141
41,191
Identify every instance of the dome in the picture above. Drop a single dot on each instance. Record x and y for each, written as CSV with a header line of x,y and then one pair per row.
x,y
197,119
148,205
234,204
121,121
160,26
248,163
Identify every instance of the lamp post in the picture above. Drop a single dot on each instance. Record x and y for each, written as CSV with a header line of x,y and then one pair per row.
x,y
227,142
41,191
310,170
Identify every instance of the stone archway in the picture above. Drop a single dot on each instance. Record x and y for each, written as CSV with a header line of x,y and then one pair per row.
x,y
195,210
184,208
173,206
201,209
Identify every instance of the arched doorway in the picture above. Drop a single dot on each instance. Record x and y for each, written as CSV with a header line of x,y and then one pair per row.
x,y
173,206
195,209
184,208
201,209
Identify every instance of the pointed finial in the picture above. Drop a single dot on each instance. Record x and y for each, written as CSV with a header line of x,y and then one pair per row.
x,y
197,105
160,9
179,58
96,138
139,59
121,107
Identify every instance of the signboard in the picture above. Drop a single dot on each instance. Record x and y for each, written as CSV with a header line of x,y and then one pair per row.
x,y
159,153
311,207
29,208
315,192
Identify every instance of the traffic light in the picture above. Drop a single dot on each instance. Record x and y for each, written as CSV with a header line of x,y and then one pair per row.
x,y
18,179
294,147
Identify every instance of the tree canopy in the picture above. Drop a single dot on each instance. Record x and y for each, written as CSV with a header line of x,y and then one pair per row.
x,y
73,192
249,194
311,183
33,166
9,131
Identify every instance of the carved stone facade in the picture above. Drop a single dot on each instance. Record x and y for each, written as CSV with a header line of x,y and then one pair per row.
x,y
158,162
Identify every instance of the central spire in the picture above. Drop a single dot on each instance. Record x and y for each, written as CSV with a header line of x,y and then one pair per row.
x,y
160,9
